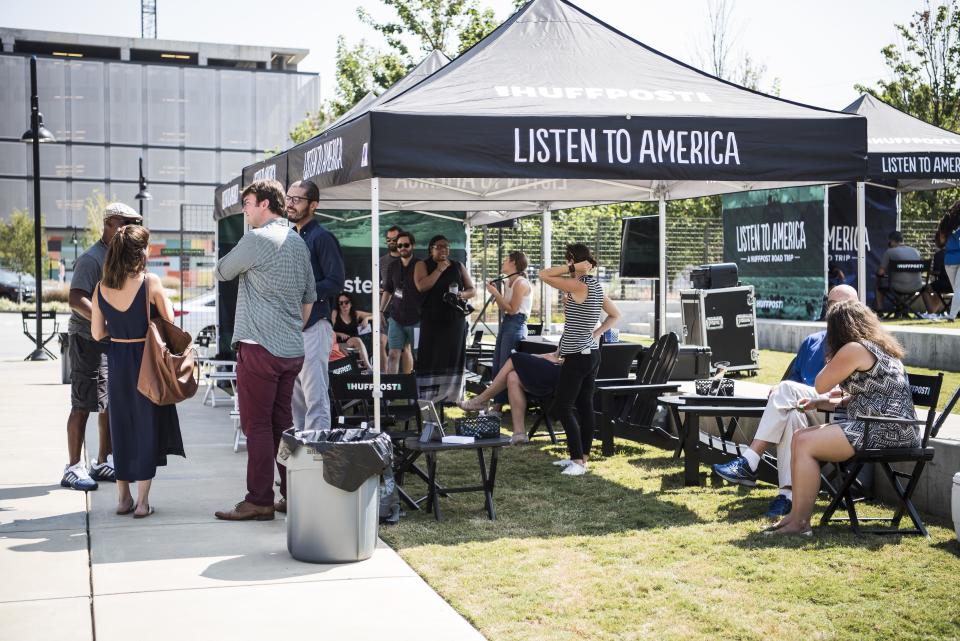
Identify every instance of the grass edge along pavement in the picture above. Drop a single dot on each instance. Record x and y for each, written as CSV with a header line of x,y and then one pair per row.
x,y
628,552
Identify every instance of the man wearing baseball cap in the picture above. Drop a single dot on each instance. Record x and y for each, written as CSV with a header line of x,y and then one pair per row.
x,y
88,358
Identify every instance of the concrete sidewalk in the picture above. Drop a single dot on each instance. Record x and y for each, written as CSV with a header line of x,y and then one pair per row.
x,y
81,572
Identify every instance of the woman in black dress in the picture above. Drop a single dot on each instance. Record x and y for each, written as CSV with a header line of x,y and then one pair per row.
x,y
348,323
443,328
143,434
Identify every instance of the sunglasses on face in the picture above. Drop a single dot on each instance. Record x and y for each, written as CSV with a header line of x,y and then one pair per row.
x,y
123,222
403,245
344,302
391,239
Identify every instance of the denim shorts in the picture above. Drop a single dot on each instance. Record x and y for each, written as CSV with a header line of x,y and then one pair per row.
x,y
400,335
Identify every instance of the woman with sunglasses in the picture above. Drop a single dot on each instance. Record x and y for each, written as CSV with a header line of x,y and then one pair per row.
x,y
579,350
347,323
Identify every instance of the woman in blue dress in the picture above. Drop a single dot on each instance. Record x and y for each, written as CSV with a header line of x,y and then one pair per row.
x,y
143,434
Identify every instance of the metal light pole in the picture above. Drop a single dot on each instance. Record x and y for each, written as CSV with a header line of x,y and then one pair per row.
x,y
36,135
76,243
143,194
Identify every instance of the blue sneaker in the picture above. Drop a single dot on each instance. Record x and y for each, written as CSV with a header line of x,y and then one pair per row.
x,y
76,477
736,471
779,506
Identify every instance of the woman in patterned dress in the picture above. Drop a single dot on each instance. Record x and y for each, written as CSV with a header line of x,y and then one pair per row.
x,y
863,359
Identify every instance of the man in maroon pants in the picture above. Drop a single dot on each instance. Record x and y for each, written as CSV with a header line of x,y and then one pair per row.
x,y
274,299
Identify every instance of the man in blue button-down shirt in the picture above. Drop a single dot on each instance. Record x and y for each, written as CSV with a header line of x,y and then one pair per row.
x,y
311,402
782,418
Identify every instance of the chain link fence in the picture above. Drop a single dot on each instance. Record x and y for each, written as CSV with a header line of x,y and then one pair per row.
x,y
692,239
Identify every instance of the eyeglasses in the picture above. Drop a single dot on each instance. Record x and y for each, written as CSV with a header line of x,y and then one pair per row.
x,y
296,199
403,245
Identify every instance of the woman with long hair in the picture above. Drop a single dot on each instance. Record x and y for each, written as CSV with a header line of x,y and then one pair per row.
x,y
863,359
347,323
515,302
579,350
143,434
441,352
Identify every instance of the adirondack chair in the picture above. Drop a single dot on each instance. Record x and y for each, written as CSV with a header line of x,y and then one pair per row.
x,y
627,406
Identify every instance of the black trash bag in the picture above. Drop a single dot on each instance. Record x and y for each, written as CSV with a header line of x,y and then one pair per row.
x,y
389,499
350,456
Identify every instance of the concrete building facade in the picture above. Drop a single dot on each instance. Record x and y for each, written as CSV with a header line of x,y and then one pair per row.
x,y
197,113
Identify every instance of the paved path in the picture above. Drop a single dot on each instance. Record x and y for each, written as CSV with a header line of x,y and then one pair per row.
x,y
74,570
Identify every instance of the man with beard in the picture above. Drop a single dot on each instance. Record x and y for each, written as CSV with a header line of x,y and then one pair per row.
x,y
311,402
392,255
400,292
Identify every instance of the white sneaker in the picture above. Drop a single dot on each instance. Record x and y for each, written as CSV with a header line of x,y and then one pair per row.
x,y
103,471
563,462
76,477
574,469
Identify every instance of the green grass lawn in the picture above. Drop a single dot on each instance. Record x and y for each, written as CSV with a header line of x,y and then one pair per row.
x,y
626,552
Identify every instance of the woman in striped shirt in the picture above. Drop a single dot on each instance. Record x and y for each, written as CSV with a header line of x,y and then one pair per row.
x,y
579,350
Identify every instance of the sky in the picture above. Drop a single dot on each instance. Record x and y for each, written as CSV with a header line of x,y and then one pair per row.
x,y
819,49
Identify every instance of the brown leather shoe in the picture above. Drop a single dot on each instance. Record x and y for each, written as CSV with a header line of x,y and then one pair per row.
x,y
244,511
280,506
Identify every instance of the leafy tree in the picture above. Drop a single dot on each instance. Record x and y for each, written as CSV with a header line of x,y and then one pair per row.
x,y
925,70
94,205
16,242
450,26
420,26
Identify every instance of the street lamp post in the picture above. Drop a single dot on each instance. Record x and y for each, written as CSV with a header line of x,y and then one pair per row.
x,y
36,135
143,194
76,243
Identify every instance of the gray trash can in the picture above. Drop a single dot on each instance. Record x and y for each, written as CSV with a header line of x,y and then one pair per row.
x,y
64,339
332,492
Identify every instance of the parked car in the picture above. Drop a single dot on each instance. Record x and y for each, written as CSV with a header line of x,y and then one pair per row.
x,y
13,284
198,316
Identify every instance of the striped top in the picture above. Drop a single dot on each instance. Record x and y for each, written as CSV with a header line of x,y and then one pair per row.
x,y
580,319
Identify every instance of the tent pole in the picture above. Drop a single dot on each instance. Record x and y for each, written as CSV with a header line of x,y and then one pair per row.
x,y
826,241
861,242
899,194
374,294
545,295
661,321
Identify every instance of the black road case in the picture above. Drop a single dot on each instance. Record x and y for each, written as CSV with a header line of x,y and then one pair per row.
x,y
725,320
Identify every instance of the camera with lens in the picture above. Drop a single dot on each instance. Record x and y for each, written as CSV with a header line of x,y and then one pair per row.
x,y
453,300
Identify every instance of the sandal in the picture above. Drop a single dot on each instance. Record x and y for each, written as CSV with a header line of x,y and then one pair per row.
x,y
472,405
127,510
150,511
519,439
